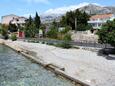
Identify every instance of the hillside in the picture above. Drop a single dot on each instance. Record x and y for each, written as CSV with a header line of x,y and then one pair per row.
x,y
91,9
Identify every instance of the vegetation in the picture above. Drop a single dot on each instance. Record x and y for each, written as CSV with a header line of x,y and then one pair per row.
x,y
13,37
81,19
66,43
4,31
12,27
32,26
37,22
29,28
42,27
107,33
66,30
53,32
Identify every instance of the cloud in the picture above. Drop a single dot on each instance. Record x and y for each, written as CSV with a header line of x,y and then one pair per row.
x,y
38,1
63,10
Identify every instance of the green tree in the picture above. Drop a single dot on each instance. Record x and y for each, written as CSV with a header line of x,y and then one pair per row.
x,y
30,29
37,22
4,31
12,27
53,32
13,37
54,23
66,30
107,33
80,17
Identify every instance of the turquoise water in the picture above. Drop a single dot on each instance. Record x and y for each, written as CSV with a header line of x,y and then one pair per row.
x,y
16,70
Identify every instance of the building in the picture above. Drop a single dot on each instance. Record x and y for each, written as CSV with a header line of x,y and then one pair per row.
x,y
98,20
14,19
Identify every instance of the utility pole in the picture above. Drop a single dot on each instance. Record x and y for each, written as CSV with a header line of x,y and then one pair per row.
x,y
75,24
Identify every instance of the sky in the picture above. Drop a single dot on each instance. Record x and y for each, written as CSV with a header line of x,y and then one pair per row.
x,y
27,7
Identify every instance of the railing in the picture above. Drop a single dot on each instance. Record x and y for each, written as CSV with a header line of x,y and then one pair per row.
x,y
83,43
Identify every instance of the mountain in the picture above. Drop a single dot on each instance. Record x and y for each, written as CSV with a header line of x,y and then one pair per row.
x,y
111,8
91,9
50,18
95,9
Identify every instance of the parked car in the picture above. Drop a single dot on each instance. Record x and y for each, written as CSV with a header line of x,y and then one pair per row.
x,y
107,51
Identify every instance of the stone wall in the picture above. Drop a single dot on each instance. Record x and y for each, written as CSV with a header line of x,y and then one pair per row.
x,y
84,36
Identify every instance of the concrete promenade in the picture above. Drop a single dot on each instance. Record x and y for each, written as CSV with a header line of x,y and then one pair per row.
x,y
80,64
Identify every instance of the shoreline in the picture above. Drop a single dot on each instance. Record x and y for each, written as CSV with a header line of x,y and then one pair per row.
x,y
54,68
79,65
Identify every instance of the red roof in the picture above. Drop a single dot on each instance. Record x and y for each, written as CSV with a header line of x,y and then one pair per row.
x,y
101,16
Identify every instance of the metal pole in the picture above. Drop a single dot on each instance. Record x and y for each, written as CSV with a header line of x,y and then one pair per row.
x,y
75,24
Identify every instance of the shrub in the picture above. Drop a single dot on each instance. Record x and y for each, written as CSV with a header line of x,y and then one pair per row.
x,y
66,30
13,37
43,42
4,33
67,37
6,37
107,33
66,44
53,33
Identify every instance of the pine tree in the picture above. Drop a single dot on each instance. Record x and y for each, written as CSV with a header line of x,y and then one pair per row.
x,y
37,22
29,28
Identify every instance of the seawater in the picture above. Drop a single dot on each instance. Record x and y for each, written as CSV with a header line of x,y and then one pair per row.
x,y
16,70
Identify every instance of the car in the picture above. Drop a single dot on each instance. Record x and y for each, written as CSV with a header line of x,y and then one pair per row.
x,y
107,51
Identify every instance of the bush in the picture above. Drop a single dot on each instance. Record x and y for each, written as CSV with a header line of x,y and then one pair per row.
x,y
66,44
66,30
107,33
4,33
53,33
6,37
67,37
13,37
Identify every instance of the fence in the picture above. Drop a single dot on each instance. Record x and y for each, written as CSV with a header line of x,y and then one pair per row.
x,y
83,43
91,44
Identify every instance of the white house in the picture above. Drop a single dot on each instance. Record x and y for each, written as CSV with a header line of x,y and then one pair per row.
x,y
14,19
98,20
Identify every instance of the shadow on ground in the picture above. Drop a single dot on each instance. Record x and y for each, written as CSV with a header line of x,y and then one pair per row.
x,y
108,53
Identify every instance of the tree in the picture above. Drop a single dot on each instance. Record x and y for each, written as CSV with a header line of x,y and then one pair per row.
x,y
29,28
66,30
37,22
53,32
4,31
32,26
76,16
63,21
107,33
54,23
12,27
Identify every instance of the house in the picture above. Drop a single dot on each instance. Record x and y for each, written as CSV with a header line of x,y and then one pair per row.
x,y
14,19
98,20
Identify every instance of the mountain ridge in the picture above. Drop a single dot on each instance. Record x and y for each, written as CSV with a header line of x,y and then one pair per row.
x,y
91,9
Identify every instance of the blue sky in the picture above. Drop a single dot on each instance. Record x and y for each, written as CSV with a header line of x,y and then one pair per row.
x,y
26,7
